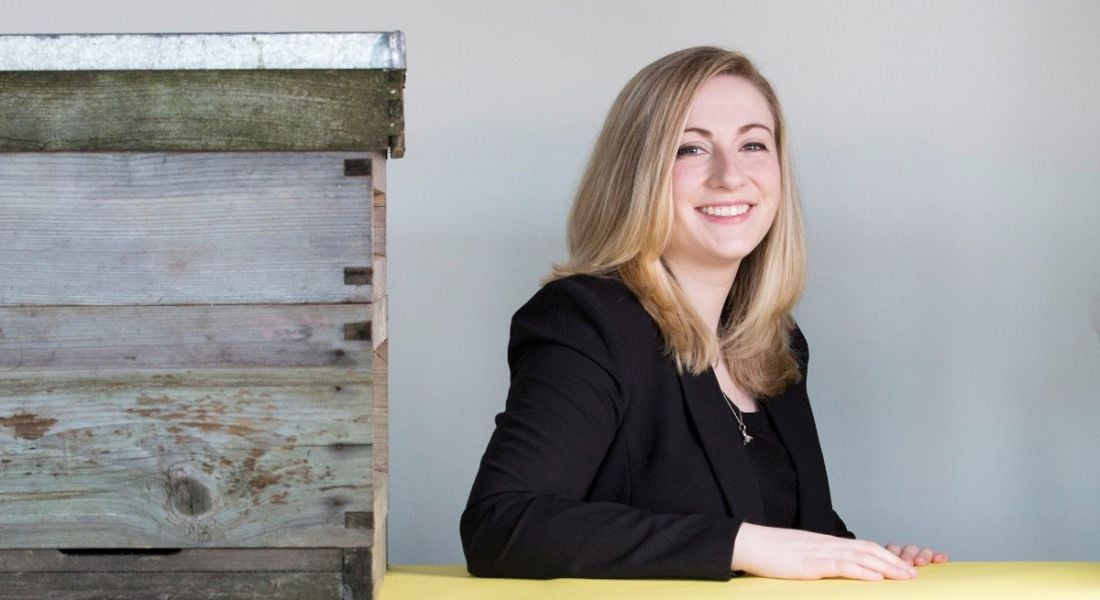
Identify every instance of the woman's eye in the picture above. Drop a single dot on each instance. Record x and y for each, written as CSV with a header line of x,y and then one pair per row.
x,y
689,150
754,147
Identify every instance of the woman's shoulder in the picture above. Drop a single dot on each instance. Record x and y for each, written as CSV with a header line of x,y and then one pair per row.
x,y
598,298
582,306
579,290
608,288
800,348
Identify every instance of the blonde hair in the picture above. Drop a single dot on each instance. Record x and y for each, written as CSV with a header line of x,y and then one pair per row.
x,y
622,217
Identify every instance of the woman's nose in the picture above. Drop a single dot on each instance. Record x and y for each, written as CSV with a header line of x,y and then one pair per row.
x,y
726,171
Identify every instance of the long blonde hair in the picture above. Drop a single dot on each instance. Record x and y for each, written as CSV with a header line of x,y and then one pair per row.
x,y
622,216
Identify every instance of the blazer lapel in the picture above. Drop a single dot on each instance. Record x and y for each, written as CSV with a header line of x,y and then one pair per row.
x,y
794,422
728,460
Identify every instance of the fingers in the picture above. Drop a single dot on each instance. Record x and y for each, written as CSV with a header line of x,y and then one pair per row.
x,y
886,562
886,568
851,570
866,561
915,555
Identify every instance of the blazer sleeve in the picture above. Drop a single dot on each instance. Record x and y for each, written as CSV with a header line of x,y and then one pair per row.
x,y
527,515
801,350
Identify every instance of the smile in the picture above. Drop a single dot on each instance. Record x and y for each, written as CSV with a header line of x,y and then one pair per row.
x,y
725,211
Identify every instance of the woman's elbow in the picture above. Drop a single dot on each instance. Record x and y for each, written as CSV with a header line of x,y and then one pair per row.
x,y
488,533
482,549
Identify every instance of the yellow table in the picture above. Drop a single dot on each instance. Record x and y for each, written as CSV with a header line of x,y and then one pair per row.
x,y
980,580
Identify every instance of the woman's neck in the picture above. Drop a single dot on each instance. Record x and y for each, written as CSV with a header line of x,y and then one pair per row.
x,y
706,288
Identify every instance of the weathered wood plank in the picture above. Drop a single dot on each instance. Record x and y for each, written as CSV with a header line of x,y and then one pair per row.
x,y
132,338
380,384
205,559
380,409
358,580
378,176
315,406
246,458
171,586
380,331
378,235
379,231
380,482
181,495
108,229
201,110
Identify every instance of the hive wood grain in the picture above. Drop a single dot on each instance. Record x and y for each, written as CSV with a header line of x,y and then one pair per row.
x,y
133,338
193,332
216,459
200,560
148,229
172,586
202,111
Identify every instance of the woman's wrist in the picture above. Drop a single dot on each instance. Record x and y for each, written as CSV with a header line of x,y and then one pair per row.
x,y
742,547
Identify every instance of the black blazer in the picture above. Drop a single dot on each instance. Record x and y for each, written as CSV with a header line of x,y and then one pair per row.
x,y
607,463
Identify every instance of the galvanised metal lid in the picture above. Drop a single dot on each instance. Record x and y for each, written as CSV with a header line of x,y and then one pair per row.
x,y
202,51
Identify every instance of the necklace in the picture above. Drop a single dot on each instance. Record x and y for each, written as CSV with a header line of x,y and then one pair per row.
x,y
740,422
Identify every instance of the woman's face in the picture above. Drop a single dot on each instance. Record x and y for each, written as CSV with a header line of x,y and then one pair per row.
x,y
726,178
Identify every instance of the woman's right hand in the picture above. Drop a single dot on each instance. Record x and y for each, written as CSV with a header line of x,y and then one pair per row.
x,y
797,554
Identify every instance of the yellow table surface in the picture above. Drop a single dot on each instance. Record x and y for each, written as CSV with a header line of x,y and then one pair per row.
x,y
996,580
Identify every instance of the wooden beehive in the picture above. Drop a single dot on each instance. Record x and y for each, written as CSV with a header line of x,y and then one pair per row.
x,y
193,314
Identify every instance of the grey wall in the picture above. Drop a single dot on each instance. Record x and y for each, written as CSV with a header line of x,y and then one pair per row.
x,y
948,155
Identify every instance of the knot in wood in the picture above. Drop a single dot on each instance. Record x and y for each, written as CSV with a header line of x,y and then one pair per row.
x,y
190,496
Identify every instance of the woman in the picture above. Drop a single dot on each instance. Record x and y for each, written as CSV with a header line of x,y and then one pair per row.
x,y
657,423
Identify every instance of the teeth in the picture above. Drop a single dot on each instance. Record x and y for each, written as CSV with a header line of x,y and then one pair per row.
x,y
725,211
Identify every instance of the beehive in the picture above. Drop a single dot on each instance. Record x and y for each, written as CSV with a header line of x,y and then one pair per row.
x,y
193,313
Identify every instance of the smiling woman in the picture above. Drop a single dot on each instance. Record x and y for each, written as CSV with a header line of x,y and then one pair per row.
x,y
726,179
657,423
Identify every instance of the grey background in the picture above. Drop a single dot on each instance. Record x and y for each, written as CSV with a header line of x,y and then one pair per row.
x,y
948,155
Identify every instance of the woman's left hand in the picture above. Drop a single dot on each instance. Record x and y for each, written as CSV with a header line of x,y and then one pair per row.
x,y
917,556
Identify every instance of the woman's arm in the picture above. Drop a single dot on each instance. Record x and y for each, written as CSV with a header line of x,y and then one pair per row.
x,y
527,515
797,554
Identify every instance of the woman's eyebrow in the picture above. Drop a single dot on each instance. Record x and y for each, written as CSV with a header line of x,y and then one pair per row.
x,y
740,130
749,126
699,130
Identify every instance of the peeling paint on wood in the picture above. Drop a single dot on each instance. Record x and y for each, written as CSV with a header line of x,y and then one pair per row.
x,y
185,459
28,426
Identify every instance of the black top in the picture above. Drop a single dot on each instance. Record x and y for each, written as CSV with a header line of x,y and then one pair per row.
x,y
607,462
774,472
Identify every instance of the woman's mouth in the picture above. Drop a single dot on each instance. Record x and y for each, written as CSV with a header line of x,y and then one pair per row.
x,y
725,210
